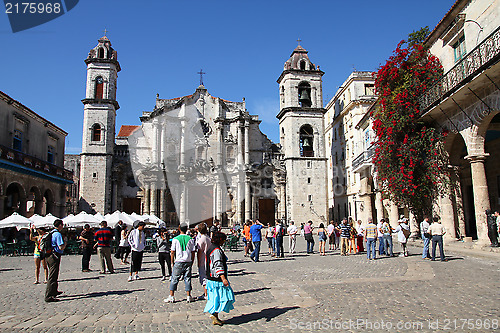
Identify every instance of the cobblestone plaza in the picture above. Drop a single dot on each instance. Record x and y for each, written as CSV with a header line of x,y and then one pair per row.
x,y
295,293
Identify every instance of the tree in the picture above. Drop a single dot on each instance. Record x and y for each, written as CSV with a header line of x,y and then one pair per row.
x,y
418,37
409,156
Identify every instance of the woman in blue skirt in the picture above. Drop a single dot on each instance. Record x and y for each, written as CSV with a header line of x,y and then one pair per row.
x,y
220,294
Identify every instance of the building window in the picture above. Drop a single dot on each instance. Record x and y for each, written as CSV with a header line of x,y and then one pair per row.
x,y
459,49
304,90
336,158
309,180
50,154
306,141
94,175
96,132
230,154
101,53
99,83
17,143
302,65
369,89
309,164
310,198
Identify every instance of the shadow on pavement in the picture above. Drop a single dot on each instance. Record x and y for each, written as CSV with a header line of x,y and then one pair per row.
x,y
268,314
250,291
239,272
80,279
97,294
9,269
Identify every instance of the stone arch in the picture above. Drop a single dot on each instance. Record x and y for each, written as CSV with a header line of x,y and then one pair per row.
x,y
36,199
48,202
15,199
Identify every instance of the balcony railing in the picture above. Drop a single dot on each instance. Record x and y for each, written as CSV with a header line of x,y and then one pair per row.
x,y
364,157
34,163
480,58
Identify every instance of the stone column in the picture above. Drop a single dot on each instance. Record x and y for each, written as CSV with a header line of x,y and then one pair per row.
x,y
393,215
248,200
241,172
379,206
182,204
153,210
162,145
481,196
163,211
448,216
247,143
147,193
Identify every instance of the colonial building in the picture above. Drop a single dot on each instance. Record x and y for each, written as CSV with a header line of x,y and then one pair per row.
x,y
302,138
466,101
349,183
32,176
193,158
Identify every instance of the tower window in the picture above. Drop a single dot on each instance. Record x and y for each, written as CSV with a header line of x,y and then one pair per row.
x,y
306,141
309,180
96,132
309,198
100,54
311,67
305,95
50,154
99,83
302,65
369,89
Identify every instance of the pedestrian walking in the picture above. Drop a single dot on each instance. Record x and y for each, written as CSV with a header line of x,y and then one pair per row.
x,y
87,245
118,235
380,236
292,234
247,237
182,255
492,228
331,235
403,231
124,246
220,295
163,243
103,238
345,235
280,233
322,239
256,239
437,232
371,239
308,229
360,235
352,237
426,237
58,245
40,232
137,241
337,237
203,242
387,238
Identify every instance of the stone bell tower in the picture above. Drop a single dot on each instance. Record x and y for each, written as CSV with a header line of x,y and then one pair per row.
x,y
98,142
302,138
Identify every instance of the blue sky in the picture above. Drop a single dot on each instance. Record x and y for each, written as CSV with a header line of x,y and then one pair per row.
x,y
162,44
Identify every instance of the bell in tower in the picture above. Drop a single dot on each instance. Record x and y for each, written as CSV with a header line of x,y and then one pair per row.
x,y
305,95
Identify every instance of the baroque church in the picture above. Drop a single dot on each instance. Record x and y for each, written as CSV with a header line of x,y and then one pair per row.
x,y
202,158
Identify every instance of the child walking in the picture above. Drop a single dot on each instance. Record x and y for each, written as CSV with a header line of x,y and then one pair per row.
x,y
220,294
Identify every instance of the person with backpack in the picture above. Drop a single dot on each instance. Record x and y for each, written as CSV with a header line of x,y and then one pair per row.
x,y
38,260
387,238
280,233
52,247
403,231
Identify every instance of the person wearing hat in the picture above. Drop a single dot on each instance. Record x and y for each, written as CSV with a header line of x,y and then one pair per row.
x,y
137,241
403,229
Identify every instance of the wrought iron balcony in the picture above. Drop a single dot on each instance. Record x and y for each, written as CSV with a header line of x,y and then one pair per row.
x,y
35,164
480,58
364,158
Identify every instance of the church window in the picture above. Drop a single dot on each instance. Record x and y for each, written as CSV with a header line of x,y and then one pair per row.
x,y
96,132
200,152
309,180
99,83
306,141
17,143
309,164
230,154
305,94
101,53
302,65
310,198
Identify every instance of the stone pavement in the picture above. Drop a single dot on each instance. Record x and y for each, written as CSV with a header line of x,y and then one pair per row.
x,y
298,292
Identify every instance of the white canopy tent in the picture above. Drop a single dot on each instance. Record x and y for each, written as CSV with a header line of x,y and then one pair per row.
x,y
81,219
120,216
15,220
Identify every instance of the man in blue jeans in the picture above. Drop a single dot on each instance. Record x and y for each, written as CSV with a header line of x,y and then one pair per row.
x,y
256,239
371,239
279,240
426,237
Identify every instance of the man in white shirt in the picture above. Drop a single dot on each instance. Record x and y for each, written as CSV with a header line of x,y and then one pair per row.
x,y
380,236
426,237
437,231
292,232
182,253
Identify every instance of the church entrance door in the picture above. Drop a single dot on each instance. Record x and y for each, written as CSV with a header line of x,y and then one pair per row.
x,y
266,211
200,204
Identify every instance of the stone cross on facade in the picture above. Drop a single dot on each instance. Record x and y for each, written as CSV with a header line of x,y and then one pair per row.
x,y
201,72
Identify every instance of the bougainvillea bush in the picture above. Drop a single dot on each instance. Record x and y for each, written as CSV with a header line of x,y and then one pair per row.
x,y
409,157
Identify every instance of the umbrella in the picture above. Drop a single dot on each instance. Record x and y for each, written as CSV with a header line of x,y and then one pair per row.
x,y
49,219
67,218
37,220
99,217
15,220
81,219
120,216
